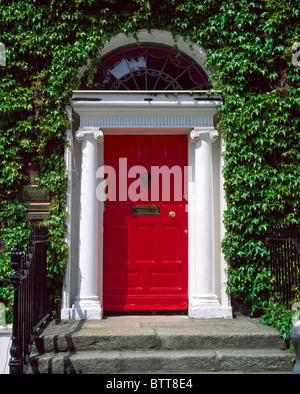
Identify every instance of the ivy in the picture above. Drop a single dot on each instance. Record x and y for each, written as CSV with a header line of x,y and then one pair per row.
x,y
249,50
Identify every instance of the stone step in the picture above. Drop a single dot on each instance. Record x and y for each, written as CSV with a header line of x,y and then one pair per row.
x,y
193,335
163,361
148,340
159,344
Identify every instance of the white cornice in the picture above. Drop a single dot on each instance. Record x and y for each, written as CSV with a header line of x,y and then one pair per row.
x,y
144,109
144,98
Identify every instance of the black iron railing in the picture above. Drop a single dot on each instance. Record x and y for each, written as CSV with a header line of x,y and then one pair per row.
x,y
30,309
285,261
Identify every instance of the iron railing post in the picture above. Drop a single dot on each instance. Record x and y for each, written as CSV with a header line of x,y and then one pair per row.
x,y
15,363
57,311
30,306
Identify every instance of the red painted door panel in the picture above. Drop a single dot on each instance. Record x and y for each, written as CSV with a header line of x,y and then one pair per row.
x,y
146,255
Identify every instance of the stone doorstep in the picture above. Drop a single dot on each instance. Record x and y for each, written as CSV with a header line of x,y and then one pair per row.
x,y
159,344
152,361
156,334
152,340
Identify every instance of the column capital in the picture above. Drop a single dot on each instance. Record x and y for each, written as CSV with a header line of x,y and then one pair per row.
x,y
204,133
89,132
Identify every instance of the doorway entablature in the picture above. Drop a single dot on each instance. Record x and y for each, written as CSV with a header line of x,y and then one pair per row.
x,y
138,109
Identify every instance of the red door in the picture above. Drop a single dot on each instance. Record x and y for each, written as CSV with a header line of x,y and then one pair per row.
x,y
145,224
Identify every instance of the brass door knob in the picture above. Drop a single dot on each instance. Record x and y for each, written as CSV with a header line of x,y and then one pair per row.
x,y
172,214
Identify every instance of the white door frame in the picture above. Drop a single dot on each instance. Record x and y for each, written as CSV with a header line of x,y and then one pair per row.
x,y
140,112
93,114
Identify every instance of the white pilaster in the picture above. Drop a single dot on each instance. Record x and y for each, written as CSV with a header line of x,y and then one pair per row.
x,y
225,297
87,303
203,302
68,161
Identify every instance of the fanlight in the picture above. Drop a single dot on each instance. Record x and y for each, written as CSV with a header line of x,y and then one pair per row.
x,y
149,67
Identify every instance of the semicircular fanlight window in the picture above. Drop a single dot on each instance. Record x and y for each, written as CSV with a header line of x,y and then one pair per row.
x,y
149,67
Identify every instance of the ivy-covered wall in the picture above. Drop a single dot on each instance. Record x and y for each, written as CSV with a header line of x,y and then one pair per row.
x,y
249,52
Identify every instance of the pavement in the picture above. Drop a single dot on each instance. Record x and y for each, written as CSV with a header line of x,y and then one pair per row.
x,y
5,341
